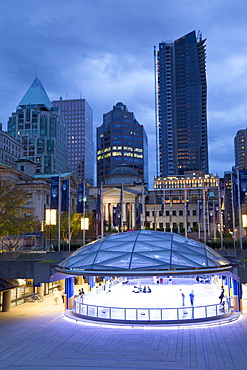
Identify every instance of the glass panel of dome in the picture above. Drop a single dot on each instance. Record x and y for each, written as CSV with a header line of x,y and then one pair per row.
x,y
141,261
214,256
87,249
105,256
187,260
142,246
123,247
117,263
126,236
78,260
163,256
149,237
187,249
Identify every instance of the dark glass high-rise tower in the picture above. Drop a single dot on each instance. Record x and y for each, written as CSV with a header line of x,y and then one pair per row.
x,y
182,143
121,140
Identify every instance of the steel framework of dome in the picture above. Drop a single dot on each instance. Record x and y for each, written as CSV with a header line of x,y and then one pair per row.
x,y
144,252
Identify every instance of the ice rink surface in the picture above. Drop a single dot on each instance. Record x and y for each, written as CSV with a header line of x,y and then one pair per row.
x,y
162,295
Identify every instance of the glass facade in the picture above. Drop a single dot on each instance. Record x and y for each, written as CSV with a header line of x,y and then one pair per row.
x,y
41,130
143,251
182,106
121,140
78,116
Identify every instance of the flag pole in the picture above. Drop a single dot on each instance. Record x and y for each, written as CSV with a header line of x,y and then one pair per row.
x,y
69,217
164,209
155,219
204,212
239,211
185,211
101,211
84,206
59,213
122,208
233,214
220,212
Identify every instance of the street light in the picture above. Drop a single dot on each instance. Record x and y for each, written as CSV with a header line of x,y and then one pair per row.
x,y
84,226
50,219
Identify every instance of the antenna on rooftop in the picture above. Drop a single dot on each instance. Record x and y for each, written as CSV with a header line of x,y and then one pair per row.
x,y
199,36
80,94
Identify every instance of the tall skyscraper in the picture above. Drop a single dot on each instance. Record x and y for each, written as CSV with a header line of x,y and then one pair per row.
x,y
121,139
78,116
182,106
240,149
41,130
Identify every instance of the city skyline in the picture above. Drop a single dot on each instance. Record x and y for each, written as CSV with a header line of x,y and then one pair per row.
x,y
103,52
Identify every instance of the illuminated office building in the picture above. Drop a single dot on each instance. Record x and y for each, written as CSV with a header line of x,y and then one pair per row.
x,y
121,140
41,130
78,116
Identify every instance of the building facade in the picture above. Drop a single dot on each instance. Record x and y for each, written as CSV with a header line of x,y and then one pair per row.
x,y
41,130
121,140
240,149
191,202
10,148
78,116
182,143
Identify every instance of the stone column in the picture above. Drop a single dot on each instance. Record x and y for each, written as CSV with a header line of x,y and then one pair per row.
x,y
6,300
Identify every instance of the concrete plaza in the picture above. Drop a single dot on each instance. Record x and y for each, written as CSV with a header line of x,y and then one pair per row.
x,y
38,336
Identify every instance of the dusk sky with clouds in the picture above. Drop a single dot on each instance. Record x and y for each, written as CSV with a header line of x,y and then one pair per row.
x,y
102,50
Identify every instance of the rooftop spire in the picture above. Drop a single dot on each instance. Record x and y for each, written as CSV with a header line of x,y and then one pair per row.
x,y
36,96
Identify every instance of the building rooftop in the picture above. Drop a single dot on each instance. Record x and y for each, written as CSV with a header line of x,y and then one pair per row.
x,y
36,96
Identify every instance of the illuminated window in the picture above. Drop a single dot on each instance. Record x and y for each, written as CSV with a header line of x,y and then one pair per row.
x,y
116,148
128,154
128,148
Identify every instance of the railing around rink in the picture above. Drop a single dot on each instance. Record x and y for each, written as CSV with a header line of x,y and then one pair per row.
x,y
150,315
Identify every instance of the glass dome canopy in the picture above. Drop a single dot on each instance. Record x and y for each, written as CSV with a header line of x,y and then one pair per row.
x,y
144,252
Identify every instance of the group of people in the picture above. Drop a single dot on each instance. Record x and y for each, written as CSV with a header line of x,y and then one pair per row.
x,y
199,279
138,289
81,292
191,295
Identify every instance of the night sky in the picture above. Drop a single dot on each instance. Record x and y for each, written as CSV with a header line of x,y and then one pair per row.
x,y
102,50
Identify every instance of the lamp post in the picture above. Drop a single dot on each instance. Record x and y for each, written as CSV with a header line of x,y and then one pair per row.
x,y
84,226
84,223
50,219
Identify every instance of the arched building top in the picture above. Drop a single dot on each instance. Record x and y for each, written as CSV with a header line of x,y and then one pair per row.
x,y
142,253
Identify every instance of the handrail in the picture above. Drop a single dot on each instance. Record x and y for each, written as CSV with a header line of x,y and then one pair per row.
x,y
147,314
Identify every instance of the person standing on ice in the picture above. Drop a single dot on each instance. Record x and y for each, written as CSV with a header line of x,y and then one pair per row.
x,y
183,297
192,296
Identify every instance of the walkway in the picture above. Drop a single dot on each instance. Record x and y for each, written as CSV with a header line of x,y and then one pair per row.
x,y
38,336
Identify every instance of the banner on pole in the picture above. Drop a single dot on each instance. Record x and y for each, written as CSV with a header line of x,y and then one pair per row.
x,y
54,192
116,216
242,185
80,195
98,203
65,196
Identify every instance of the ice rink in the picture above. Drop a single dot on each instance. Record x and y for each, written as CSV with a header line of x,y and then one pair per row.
x,y
162,295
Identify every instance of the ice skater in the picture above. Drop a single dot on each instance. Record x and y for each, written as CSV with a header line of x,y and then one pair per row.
x,y
183,297
221,297
192,296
